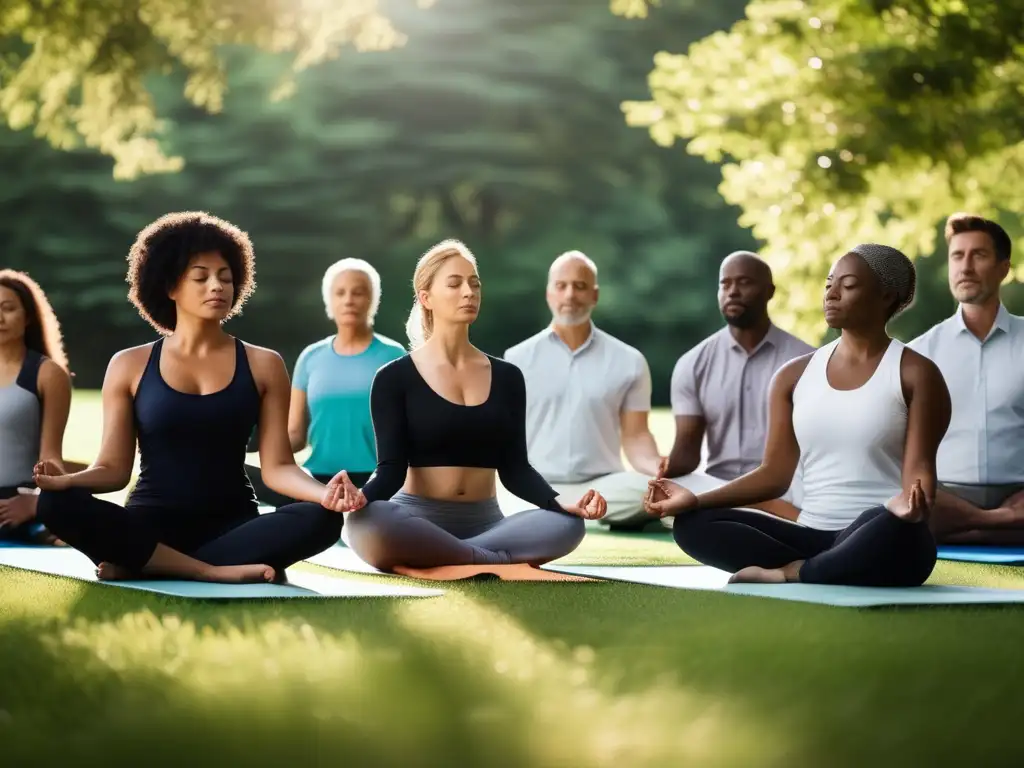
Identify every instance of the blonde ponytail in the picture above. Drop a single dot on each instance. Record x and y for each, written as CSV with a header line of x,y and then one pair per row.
x,y
420,324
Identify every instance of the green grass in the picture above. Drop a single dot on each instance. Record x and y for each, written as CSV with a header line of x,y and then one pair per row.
x,y
539,674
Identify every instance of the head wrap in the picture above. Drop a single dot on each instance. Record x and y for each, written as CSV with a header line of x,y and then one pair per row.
x,y
895,272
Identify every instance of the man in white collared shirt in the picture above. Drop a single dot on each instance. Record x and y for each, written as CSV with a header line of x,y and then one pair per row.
x,y
588,397
980,351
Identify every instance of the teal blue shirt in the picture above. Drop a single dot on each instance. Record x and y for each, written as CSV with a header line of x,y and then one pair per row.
x,y
337,391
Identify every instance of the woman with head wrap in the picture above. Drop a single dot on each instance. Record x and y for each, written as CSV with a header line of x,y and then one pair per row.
x,y
864,416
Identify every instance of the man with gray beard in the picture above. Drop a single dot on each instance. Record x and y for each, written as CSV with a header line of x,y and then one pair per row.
x,y
588,397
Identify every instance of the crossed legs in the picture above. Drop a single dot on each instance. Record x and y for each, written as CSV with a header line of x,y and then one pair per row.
x,y
392,534
139,542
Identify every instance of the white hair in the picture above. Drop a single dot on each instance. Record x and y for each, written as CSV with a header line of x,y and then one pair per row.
x,y
351,265
573,256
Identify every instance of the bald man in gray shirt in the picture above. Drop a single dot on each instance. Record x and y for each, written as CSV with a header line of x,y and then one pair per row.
x,y
588,397
720,387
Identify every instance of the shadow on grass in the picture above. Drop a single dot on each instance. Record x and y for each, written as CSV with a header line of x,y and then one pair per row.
x,y
901,686
142,679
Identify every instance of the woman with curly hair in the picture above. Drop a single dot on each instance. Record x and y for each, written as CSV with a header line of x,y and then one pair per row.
x,y
191,400
35,399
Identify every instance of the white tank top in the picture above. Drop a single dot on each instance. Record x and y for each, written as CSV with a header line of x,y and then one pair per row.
x,y
851,442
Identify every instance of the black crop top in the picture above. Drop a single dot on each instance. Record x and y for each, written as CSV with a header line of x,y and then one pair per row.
x,y
416,427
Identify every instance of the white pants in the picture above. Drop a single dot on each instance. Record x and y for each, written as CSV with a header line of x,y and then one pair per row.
x,y
624,492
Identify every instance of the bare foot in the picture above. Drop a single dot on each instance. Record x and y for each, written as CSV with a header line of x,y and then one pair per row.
x,y
239,574
756,575
111,572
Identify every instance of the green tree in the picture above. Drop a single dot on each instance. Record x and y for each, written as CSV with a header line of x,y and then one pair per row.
x,y
77,70
496,123
844,121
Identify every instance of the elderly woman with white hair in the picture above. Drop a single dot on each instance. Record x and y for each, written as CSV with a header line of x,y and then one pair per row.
x,y
865,416
330,401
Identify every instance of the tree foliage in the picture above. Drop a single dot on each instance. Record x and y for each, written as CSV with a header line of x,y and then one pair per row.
x,y
844,121
77,70
497,123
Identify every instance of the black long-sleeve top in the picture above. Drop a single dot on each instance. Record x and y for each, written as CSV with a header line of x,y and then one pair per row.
x,y
416,427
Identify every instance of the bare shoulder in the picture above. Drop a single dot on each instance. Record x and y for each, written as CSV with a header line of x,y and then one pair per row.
x,y
52,376
918,370
265,363
789,374
127,365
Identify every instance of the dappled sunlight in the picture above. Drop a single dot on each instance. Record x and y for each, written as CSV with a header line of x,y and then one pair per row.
x,y
568,709
30,596
465,682
977,575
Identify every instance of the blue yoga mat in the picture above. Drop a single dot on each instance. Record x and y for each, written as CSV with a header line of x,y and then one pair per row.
x,y
994,555
61,561
712,579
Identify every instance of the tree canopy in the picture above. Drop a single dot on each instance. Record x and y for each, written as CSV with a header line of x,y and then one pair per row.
x,y
846,121
76,71
497,123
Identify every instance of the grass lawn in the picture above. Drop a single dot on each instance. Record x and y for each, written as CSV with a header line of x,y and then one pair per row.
x,y
537,674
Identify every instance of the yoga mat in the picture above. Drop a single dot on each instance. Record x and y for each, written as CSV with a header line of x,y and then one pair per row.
x,y
995,555
64,561
344,559
10,544
706,578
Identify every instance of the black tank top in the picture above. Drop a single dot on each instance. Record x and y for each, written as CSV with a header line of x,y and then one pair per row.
x,y
192,447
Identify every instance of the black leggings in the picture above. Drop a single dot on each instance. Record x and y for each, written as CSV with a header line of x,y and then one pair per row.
x,y
127,536
877,549
274,499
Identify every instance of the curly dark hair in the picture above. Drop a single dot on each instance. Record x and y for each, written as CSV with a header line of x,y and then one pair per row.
x,y
161,255
42,331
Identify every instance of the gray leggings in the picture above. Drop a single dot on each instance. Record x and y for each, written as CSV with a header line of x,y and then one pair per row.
x,y
418,532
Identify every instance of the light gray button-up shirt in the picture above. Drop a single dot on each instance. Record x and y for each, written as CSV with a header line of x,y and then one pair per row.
x,y
728,387
984,444
574,402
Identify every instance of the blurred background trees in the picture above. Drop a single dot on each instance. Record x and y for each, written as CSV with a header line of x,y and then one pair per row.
x,y
350,128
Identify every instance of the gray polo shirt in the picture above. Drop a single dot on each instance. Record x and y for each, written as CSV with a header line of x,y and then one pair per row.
x,y
984,444
719,381
575,400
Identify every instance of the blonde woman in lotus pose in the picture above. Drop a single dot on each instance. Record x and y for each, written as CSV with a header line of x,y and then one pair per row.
x,y
448,420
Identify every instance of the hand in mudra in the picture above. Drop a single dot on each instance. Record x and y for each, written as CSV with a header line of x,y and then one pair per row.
x,y
341,494
665,498
48,475
591,506
913,506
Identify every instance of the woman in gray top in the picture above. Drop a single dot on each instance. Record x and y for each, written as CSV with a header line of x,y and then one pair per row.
x,y
35,399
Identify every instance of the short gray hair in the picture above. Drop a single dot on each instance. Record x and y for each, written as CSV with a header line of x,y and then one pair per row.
x,y
351,265
894,270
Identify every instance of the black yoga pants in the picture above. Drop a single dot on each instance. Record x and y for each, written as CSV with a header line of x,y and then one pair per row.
x,y
877,549
127,536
